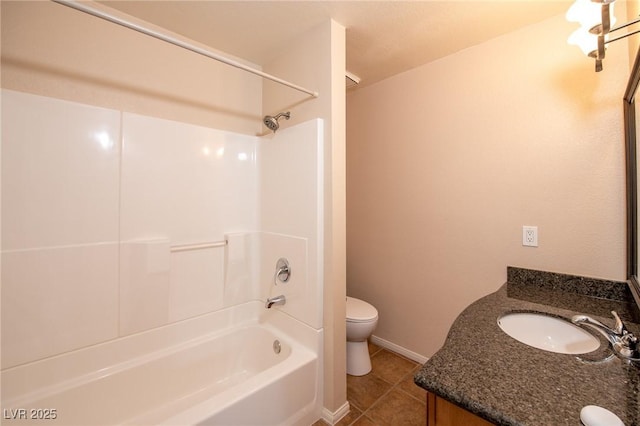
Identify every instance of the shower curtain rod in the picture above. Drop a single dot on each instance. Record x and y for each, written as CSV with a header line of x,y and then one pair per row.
x,y
166,38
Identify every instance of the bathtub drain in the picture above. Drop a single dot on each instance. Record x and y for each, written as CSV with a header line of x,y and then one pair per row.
x,y
276,346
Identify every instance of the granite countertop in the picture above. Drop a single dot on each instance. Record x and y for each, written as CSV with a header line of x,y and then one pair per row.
x,y
483,370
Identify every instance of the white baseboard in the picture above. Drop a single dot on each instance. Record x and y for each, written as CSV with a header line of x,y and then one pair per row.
x,y
399,349
334,417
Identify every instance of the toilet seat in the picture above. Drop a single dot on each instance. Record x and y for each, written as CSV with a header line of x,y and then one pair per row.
x,y
360,311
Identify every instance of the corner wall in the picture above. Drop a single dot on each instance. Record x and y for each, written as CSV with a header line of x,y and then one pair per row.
x,y
448,161
316,61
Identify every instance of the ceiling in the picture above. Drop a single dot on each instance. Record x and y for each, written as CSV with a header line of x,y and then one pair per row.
x,y
383,38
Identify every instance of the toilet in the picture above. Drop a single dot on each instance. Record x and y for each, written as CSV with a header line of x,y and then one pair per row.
x,y
362,319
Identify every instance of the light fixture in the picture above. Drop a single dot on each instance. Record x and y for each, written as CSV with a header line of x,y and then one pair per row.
x,y
596,21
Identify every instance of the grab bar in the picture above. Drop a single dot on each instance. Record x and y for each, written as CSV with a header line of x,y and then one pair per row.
x,y
200,246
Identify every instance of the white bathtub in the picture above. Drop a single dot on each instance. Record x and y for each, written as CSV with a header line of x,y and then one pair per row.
x,y
218,369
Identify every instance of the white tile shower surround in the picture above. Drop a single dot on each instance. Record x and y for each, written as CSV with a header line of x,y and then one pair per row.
x,y
88,219
186,183
292,200
60,173
193,288
57,299
145,273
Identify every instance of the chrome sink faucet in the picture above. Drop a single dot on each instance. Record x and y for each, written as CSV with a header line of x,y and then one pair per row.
x,y
624,342
278,300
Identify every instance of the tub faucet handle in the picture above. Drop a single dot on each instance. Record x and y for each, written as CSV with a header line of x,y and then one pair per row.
x,y
283,271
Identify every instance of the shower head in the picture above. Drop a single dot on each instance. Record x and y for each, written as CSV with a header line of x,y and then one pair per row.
x,y
272,122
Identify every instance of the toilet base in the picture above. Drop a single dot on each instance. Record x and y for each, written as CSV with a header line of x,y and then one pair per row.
x,y
358,359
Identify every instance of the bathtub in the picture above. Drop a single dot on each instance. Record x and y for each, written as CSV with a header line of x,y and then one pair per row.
x,y
244,365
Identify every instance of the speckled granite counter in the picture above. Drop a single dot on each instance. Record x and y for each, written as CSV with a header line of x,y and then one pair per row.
x,y
483,370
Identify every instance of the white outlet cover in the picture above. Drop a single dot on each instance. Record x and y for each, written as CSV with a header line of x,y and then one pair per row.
x,y
530,236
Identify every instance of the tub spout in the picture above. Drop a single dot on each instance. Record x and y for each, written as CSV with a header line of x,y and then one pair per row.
x,y
278,300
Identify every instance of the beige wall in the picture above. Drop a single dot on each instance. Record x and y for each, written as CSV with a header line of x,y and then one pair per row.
x,y
633,10
447,162
52,50
317,62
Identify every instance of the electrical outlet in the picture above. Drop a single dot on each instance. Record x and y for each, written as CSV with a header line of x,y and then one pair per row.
x,y
530,236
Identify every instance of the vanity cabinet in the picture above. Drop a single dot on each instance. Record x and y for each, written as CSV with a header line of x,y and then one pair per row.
x,y
441,412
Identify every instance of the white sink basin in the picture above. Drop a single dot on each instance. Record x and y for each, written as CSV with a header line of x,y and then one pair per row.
x,y
548,333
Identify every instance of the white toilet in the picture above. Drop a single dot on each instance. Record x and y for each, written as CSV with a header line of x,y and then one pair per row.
x,y
362,319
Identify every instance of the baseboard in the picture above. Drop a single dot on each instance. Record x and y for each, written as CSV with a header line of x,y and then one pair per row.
x,y
399,349
334,417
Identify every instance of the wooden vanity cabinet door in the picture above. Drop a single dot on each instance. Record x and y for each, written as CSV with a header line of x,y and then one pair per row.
x,y
441,412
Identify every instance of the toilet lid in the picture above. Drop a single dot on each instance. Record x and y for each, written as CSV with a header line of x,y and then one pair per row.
x,y
360,311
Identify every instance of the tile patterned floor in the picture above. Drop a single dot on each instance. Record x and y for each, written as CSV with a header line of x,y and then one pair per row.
x,y
385,396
